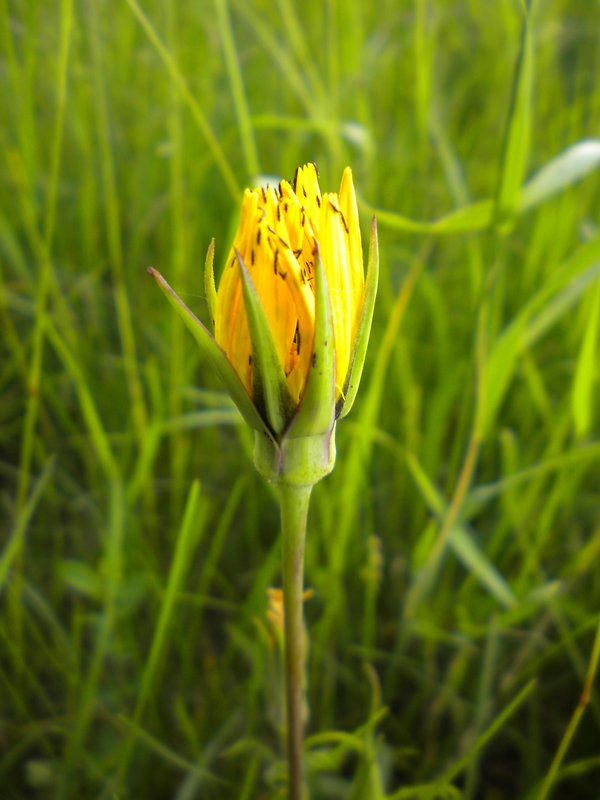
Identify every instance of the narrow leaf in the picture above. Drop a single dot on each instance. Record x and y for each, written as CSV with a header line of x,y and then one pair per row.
x,y
14,545
269,376
461,542
473,217
361,339
209,281
473,559
563,171
585,374
554,298
516,153
316,412
188,538
215,355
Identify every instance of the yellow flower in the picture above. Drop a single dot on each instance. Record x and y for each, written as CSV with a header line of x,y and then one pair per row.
x,y
292,319
279,233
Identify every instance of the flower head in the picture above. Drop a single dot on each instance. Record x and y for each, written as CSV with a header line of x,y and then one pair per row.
x,y
278,237
292,318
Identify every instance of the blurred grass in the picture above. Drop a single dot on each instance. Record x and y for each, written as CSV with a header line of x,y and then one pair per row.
x,y
454,550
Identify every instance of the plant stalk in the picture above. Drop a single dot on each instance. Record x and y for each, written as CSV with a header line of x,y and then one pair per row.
x,y
293,503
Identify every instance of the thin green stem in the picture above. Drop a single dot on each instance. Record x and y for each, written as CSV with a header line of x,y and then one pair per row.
x,y
293,503
550,780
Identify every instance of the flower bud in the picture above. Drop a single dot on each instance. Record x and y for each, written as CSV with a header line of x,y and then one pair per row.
x,y
292,318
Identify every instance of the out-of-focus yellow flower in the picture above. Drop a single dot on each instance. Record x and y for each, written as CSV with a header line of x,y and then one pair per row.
x,y
275,609
279,233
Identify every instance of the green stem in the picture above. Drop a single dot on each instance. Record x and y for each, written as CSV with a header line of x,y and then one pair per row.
x,y
293,503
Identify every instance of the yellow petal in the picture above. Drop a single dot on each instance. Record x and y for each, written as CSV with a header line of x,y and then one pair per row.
x,y
335,255
231,327
262,241
308,193
349,209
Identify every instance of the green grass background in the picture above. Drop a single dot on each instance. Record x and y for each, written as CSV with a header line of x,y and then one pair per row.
x,y
453,552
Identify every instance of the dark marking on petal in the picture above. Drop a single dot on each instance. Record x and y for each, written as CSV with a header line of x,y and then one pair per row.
x,y
338,211
318,201
304,191
314,360
296,178
264,194
286,207
252,257
278,213
275,261
249,361
258,236
282,275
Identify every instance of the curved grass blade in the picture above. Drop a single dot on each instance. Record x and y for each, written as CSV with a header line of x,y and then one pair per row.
x,y
560,173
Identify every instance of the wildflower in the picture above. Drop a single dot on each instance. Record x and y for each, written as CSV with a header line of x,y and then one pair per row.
x,y
291,318
278,235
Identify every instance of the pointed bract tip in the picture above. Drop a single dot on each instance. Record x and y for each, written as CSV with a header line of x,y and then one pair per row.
x,y
240,260
153,272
